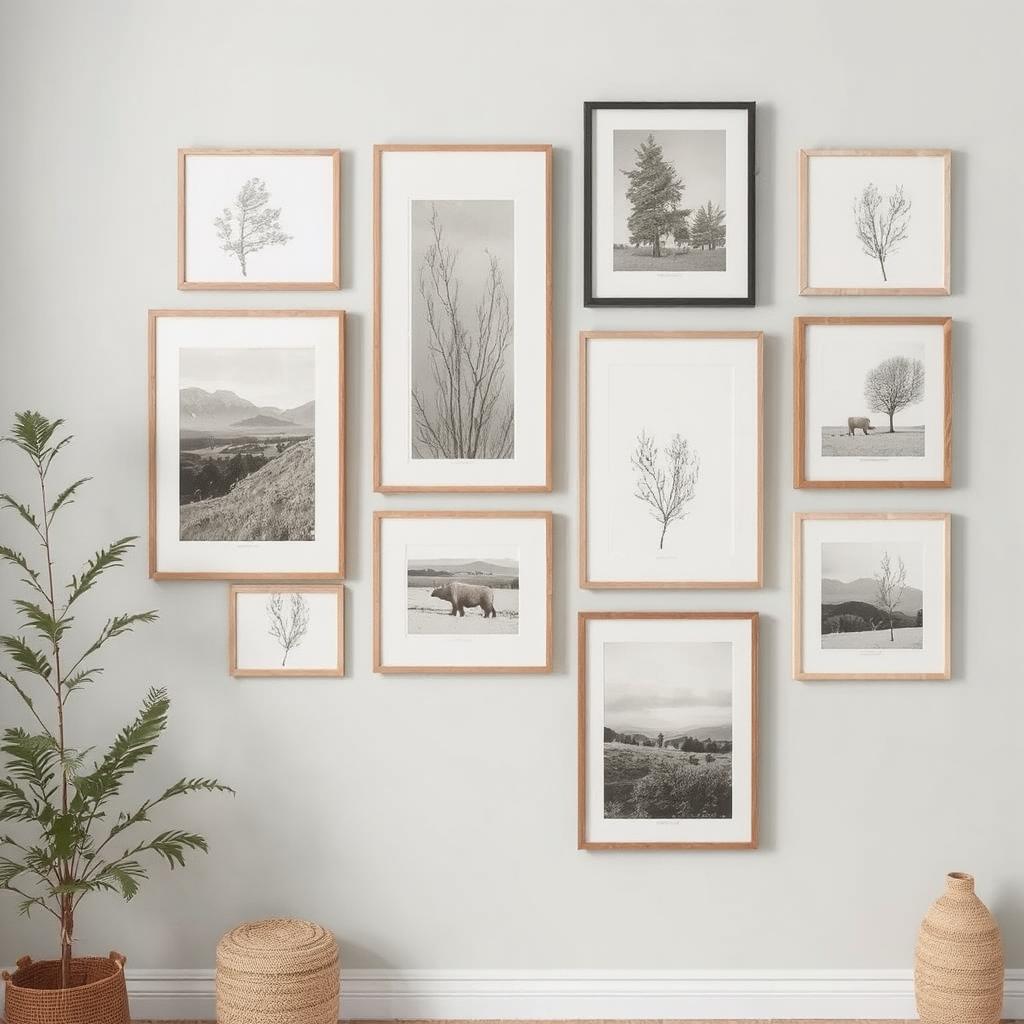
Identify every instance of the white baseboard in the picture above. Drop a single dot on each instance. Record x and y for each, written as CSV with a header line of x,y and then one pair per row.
x,y
553,995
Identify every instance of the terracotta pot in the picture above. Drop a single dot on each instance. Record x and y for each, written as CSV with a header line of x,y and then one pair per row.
x,y
97,994
958,969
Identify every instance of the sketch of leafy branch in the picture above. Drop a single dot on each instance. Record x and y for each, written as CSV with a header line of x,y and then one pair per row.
x,y
891,581
666,485
251,225
881,222
287,626
469,415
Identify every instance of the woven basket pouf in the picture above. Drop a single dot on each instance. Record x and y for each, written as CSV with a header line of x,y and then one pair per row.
x,y
280,971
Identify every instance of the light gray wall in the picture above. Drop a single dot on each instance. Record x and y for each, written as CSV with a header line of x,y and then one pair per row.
x,y
431,821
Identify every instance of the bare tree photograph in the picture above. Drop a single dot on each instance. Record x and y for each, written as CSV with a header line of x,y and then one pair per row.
x,y
890,386
668,722
669,200
469,595
246,444
288,626
882,222
250,224
871,596
462,329
665,481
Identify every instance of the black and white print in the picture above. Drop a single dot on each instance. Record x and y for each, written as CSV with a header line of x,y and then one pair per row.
x,y
668,730
465,596
664,479
874,222
670,198
286,631
871,595
258,219
246,444
463,331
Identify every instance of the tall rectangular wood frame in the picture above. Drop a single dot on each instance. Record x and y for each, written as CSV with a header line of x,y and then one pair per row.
x,y
380,515
588,584
582,843
803,222
800,325
378,152
244,673
262,286
154,316
799,518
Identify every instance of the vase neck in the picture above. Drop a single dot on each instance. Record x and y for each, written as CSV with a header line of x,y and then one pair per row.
x,y
959,883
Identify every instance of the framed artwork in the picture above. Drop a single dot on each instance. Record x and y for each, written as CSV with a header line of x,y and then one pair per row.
x,y
871,595
874,221
670,459
259,219
462,318
873,401
246,444
668,204
286,631
462,591
667,730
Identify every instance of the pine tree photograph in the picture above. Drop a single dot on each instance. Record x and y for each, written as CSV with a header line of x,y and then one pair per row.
x,y
669,201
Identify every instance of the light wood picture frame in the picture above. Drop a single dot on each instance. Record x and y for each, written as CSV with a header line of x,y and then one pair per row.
x,y
878,222
709,657
313,618
872,596
494,200
461,591
237,532
304,248
644,375
859,366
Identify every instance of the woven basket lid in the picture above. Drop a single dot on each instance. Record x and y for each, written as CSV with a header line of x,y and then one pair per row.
x,y
280,945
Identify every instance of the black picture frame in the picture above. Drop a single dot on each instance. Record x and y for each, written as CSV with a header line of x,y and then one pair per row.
x,y
589,298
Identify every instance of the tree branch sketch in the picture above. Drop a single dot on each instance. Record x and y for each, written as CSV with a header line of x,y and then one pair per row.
x,y
470,415
665,488
287,626
891,581
894,384
881,222
251,225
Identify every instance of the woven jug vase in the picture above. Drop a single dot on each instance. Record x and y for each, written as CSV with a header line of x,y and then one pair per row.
x,y
958,968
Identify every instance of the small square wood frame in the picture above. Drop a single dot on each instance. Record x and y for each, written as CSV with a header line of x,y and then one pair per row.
x,y
799,518
803,225
263,286
800,325
378,666
308,673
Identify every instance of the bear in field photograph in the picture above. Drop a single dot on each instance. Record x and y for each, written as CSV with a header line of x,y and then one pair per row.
x,y
450,593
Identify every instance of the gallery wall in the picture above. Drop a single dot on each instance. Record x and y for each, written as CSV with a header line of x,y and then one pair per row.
x,y
431,822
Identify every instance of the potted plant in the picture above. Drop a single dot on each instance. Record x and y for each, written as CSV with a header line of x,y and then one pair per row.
x,y
66,841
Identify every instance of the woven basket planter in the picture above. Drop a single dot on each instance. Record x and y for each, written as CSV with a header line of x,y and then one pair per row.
x,y
97,994
280,971
958,969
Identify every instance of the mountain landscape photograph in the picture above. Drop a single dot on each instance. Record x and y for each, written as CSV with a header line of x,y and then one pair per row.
x,y
668,730
246,444
871,596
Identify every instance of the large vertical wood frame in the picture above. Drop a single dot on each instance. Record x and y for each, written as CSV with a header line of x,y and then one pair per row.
x,y
378,155
725,336
583,618
154,316
262,286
